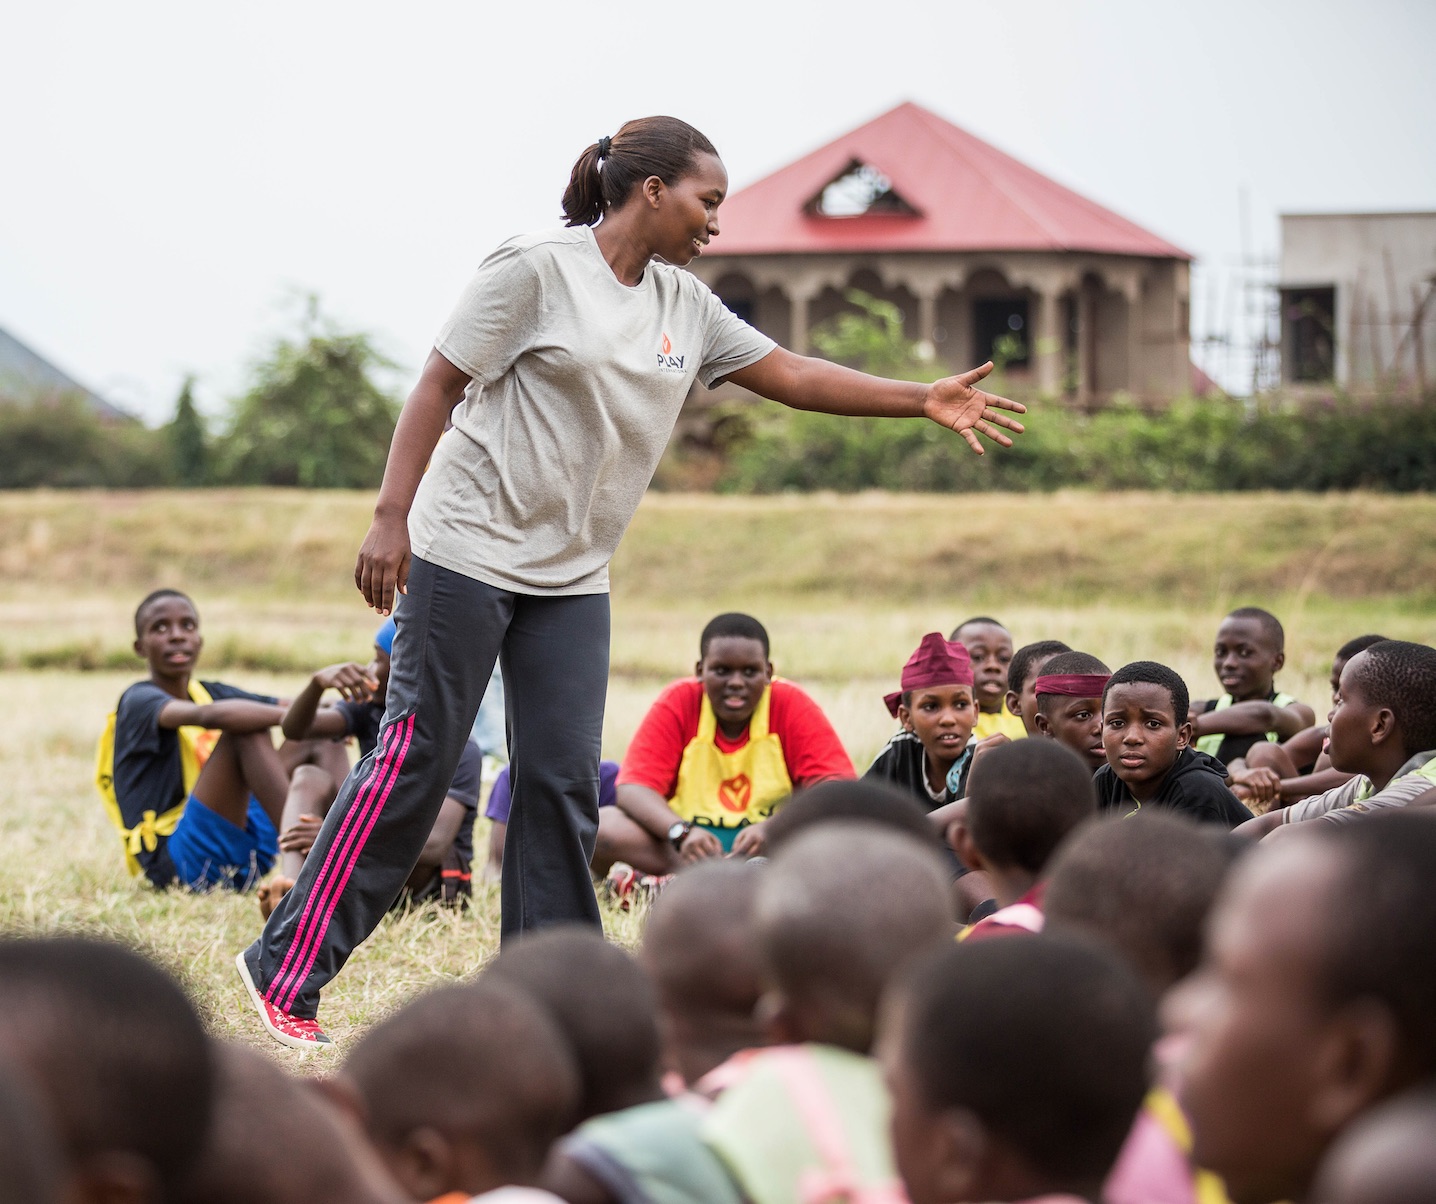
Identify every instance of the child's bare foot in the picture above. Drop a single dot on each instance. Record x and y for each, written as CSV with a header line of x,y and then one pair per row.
x,y
271,892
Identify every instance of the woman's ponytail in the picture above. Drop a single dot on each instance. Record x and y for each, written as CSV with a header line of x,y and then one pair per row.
x,y
611,168
583,198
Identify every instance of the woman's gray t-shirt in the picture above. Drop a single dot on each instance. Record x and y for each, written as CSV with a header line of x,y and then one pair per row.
x,y
577,382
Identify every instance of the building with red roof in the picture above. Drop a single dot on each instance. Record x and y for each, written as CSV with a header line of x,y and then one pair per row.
x,y
983,255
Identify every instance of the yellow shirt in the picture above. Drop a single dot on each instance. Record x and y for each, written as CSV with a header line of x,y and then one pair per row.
x,y
1004,722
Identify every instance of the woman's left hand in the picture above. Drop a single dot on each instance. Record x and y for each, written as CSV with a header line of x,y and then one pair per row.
x,y
958,404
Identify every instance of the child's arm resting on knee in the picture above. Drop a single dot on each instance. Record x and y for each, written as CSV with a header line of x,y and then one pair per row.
x,y
1255,718
227,715
805,383
305,721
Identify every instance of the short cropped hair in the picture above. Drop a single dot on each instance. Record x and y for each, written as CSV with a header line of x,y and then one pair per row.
x,y
977,619
154,596
1402,676
865,800
1360,644
1151,673
733,624
698,944
1268,622
1044,1039
602,1002
479,1060
29,1155
822,940
1143,884
277,1138
1386,948
1026,657
1069,662
114,1047
1023,798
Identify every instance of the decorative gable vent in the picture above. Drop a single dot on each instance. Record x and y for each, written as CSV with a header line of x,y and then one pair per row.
x,y
859,190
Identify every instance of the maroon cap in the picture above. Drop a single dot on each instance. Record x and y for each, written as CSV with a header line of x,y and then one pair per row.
x,y
1072,685
937,662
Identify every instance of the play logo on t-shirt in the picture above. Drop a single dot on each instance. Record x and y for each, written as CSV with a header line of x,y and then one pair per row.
x,y
666,359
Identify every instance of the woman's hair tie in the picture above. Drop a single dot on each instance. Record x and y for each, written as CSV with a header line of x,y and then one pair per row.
x,y
605,146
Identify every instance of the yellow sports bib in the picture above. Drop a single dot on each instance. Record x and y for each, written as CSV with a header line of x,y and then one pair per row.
x,y
728,791
195,744
1210,744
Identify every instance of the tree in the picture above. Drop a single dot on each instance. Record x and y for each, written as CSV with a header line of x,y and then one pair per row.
x,y
314,417
188,441
56,441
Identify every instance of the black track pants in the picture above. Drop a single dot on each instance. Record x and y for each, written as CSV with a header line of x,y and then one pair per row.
x,y
451,628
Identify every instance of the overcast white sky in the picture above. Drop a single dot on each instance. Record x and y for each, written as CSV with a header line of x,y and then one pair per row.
x,y
174,172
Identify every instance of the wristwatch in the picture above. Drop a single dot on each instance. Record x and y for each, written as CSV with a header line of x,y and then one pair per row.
x,y
678,831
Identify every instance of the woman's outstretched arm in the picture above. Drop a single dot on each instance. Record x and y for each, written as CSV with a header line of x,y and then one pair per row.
x,y
382,569
805,383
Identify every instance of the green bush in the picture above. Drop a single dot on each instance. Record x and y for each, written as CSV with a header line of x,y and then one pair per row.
x,y
60,443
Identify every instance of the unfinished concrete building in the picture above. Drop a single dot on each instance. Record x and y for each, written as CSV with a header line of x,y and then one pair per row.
x,y
982,254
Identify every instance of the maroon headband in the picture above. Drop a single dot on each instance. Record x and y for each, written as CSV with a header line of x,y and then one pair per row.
x,y
1073,685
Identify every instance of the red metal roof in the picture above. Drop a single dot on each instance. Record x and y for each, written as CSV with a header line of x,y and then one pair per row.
x,y
969,196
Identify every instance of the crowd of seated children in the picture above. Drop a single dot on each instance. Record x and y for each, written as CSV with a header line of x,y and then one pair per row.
x,y
1068,695
444,870
1301,763
715,757
1023,801
186,768
989,644
1314,1000
1382,729
1150,759
1022,672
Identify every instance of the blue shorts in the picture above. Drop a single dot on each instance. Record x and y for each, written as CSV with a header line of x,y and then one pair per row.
x,y
209,851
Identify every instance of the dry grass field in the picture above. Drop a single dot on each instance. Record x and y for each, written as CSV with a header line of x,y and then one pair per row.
x,y
846,585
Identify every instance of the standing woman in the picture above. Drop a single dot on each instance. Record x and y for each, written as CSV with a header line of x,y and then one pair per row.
x,y
568,358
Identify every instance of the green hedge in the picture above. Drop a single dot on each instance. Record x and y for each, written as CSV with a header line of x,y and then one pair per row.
x,y
1191,445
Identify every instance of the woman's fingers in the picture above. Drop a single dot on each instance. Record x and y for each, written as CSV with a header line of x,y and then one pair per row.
x,y
992,416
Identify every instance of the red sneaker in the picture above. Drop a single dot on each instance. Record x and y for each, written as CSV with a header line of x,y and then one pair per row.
x,y
292,1031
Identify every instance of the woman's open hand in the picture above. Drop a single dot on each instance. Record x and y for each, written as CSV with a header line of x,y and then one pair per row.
x,y
382,570
958,404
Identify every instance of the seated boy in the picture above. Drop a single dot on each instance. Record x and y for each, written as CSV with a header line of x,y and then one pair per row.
x,y
1022,802
1387,1157
1016,1068
1150,761
1314,1001
698,950
1382,729
118,1060
989,644
1144,885
1301,764
716,755
281,1140
464,1090
445,867
187,770
813,1110
1069,704
1250,650
937,707
1022,672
